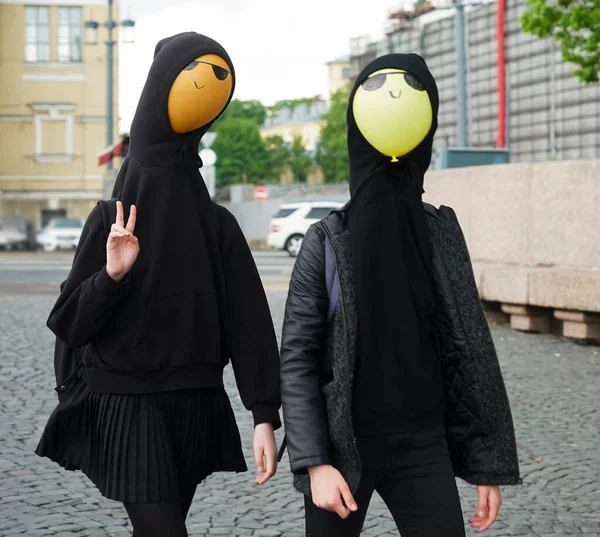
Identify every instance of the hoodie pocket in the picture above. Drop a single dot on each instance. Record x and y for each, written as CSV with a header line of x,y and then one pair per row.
x,y
180,330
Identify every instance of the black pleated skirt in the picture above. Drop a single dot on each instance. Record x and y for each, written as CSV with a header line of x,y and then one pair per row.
x,y
144,448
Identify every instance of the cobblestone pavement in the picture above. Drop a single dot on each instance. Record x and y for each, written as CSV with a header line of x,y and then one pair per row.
x,y
554,387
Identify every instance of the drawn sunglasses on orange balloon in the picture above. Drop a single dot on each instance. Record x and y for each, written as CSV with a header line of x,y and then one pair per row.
x,y
220,73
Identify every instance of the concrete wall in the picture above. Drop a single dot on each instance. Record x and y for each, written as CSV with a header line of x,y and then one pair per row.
x,y
533,234
534,215
532,230
254,218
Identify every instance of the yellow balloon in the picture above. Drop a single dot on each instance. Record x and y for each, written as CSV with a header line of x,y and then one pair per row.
x,y
393,112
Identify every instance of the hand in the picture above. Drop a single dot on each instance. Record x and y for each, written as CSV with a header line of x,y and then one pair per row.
x,y
122,247
330,490
490,500
265,448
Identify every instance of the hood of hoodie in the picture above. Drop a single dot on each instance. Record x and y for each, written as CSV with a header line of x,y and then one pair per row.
x,y
152,138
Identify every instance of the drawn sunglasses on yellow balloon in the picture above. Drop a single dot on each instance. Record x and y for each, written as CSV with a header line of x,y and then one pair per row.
x,y
378,80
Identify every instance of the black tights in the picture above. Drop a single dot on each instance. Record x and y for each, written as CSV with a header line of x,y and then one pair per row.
x,y
163,519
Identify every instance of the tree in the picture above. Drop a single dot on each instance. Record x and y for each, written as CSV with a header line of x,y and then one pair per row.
x,y
253,110
289,103
241,155
300,159
277,156
575,25
332,152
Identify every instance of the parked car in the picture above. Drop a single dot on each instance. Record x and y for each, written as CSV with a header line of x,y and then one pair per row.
x,y
289,225
60,234
16,233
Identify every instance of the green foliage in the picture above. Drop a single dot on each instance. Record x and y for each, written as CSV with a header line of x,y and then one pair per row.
x,y
300,159
288,103
241,155
253,110
575,25
277,156
332,153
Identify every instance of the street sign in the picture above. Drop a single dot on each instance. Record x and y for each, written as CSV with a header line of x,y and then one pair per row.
x,y
208,139
208,156
260,193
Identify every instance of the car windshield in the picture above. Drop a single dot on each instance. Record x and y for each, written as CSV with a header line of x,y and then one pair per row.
x,y
317,213
285,212
62,223
14,223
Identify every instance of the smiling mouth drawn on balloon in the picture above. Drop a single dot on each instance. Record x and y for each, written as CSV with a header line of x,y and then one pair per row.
x,y
200,87
395,96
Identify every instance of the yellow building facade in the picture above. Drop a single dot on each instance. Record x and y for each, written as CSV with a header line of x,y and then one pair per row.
x,y
52,108
339,73
304,120
309,131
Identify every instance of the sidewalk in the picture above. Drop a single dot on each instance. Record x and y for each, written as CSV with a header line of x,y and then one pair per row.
x,y
554,388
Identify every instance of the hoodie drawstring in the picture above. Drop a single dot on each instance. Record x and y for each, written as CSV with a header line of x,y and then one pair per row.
x,y
182,154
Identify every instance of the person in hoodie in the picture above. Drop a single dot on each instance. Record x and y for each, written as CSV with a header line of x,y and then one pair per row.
x,y
157,312
390,380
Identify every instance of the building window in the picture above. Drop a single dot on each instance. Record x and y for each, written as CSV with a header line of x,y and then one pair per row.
x,y
37,34
53,127
346,73
69,34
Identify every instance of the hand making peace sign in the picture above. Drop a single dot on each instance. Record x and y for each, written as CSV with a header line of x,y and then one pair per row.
x,y
122,247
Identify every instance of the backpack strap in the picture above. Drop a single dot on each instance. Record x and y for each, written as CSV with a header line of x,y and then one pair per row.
x,y
332,279
63,353
109,214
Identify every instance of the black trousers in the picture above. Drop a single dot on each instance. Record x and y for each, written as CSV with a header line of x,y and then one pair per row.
x,y
413,475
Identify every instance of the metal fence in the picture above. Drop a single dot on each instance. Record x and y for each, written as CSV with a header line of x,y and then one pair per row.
x,y
551,114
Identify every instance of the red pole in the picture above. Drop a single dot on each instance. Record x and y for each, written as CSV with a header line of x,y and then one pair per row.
x,y
501,63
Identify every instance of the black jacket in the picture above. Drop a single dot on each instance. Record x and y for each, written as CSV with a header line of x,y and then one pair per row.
x,y
318,359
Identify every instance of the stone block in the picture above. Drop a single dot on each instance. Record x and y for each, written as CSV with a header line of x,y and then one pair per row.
x,y
505,284
564,216
528,319
496,317
577,290
492,204
478,270
527,323
581,330
530,214
577,316
521,310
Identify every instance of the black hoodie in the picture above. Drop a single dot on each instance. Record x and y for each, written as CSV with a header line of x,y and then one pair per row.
x,y
194,299
398,380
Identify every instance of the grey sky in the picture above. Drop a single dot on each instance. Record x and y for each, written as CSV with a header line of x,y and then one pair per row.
x,y
279,47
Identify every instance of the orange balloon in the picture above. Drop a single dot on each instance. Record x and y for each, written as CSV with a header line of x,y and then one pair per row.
x,y
199,93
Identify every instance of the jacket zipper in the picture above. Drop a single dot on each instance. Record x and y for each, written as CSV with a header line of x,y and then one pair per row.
x,y
348,387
